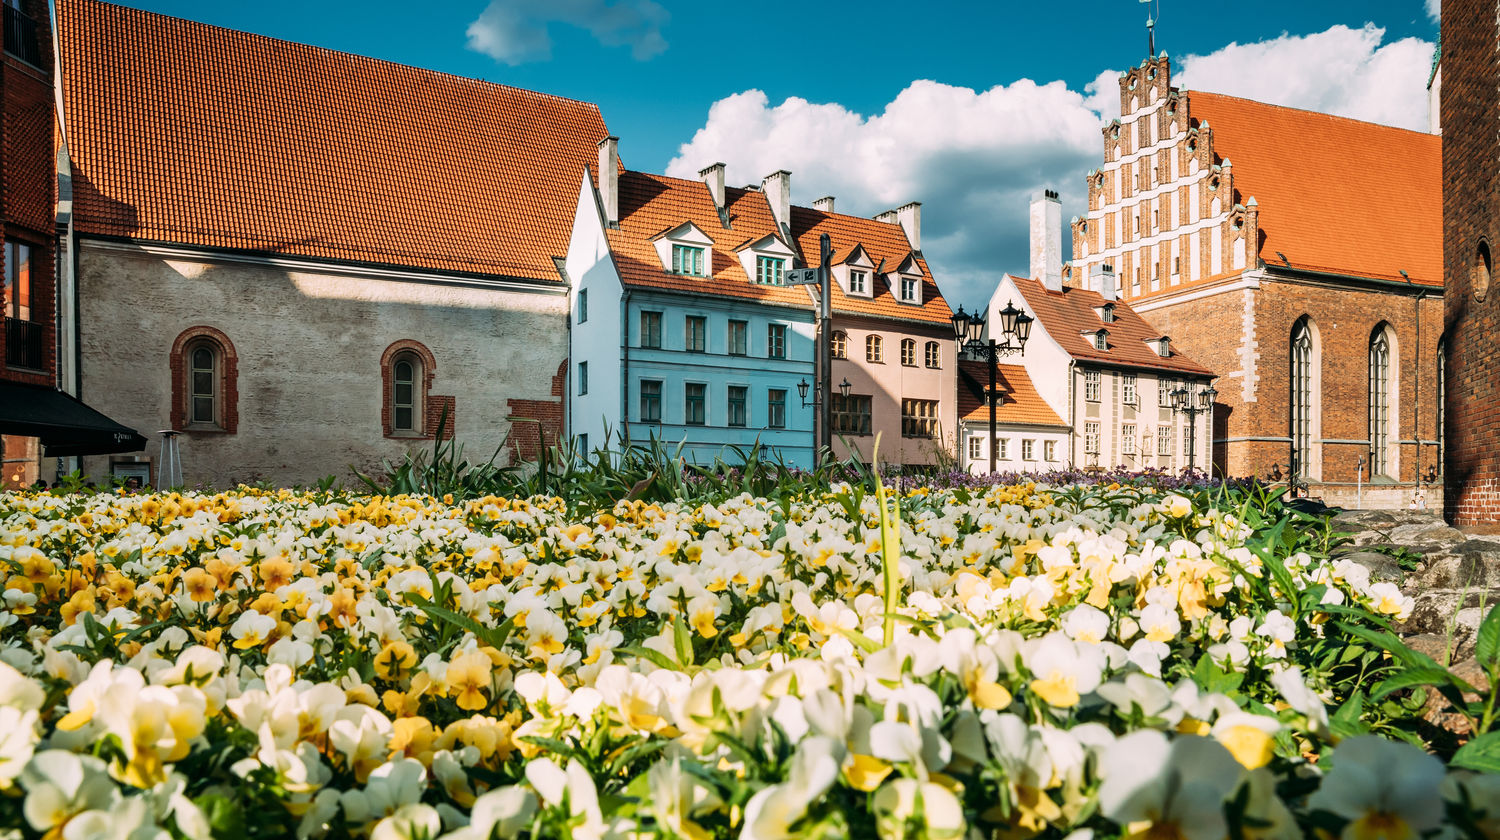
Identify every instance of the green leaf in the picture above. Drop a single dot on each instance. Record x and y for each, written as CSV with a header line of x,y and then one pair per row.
x,y
654,657
1387,641
1412,677
493,636
860,640
682,640
1346,722
1210,677
1482,754
1487,648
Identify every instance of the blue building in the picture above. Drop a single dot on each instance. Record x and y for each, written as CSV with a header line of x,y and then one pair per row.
x,y
680,326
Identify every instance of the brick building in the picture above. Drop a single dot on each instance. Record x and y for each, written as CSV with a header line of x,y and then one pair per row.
x,y
1295,254
1470,101
37,419
304,260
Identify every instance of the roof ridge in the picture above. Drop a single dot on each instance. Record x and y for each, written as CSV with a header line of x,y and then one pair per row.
x,y
329,50
1308,111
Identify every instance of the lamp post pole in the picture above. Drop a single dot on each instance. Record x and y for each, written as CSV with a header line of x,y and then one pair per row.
x,y
825,349
1015,327
1182,403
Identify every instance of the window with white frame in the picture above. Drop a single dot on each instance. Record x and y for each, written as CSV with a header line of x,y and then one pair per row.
x,y
910,287
1002,448
1091,387
874,349
840,344
1049,450
687,259
1127,438
1164,441
934,354
1164,389
859,282
776,341
1091,438
1187,441
976,446
908,352
1101,340
1127,388
1028,449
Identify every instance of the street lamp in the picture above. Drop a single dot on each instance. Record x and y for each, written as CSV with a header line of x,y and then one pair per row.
x,y
803,386
968,332
1182,403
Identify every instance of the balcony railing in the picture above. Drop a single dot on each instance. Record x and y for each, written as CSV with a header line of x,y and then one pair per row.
x,y
20,37
23,343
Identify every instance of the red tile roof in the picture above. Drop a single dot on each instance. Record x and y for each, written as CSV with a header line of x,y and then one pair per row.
x,y
652,204
1067,314
187,133
1020,403
881,241
1334,194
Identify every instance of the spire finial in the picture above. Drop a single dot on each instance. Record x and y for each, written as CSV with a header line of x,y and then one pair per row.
x,y
1153,11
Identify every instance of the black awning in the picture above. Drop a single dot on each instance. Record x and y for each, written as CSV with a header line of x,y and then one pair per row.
x,y
63,423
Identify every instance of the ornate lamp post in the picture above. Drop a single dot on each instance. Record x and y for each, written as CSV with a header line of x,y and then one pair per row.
x,y
1182,403
802,388
968,331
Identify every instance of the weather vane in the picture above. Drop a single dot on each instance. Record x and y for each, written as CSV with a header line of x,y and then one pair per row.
x,y
1153,12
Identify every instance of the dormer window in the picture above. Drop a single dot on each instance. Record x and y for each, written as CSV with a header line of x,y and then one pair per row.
x,y
1107,313
859,282
911,290
1162,346
1101,340
687,259
769,270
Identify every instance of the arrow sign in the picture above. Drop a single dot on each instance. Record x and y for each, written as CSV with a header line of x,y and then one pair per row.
x,y
799,276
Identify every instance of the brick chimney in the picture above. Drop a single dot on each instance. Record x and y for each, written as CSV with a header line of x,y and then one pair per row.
x,y
824,204
1046,239
910,218
713,176
778,189
609,178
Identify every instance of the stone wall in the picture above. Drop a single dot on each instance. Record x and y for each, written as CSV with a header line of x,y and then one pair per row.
x,y
308,350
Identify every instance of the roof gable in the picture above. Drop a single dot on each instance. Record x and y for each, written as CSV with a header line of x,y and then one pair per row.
x,y
1020,402
884,244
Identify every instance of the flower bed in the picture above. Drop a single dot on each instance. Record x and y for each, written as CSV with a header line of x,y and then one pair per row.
x,y
1107,658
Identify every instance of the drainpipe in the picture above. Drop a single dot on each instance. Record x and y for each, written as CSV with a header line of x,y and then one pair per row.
x,y
625,368
1072,421
1359,484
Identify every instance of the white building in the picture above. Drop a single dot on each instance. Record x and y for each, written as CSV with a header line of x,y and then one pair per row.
x,y
1029,435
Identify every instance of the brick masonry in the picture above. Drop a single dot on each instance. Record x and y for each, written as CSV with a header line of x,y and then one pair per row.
x,y
1470,101
228,386
523,442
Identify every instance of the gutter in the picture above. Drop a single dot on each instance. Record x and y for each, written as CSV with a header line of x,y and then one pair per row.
x,y
625,366
1072,424
1407,285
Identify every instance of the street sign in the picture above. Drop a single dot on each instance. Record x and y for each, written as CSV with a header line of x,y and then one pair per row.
x,y
800,276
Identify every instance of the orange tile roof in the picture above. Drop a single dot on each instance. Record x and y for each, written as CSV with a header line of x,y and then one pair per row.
x,y
652,204
1334,194
187,133
1019,404
881,241
1067,314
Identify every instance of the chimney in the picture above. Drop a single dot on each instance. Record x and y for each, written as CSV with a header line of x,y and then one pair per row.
x,y
609,178
910,217
1046,239
889,217
778,189
713,176
824,204
1102,280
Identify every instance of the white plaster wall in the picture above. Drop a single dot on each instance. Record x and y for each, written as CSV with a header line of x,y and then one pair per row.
x,y
596,414
1013,460
1044,359
309,348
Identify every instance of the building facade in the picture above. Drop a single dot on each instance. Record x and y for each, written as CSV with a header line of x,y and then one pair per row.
x,y
1470,76
301,296
1295,253
699,341
1029,436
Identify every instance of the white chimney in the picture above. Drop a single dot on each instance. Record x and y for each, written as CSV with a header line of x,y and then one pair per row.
x,y
778,189
824,204
1046,239
1102,280
609,178
889,217
910,217
713,176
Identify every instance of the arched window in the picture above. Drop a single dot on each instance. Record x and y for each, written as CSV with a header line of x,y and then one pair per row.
x,y
840,345
204,382
934,354
908,352
407,369
1303,397
1442,394
1382,376
874,349
1482,271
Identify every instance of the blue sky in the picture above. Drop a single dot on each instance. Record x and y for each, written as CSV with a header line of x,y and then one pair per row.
x,y
944,83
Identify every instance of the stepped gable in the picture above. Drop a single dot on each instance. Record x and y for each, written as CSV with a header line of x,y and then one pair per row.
x,y
182,132
1020,403
652,205
1068,314
1334,194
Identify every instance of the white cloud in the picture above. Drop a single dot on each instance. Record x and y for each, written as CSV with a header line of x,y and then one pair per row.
x,y
1341,71
515,31
973,158
1435,10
